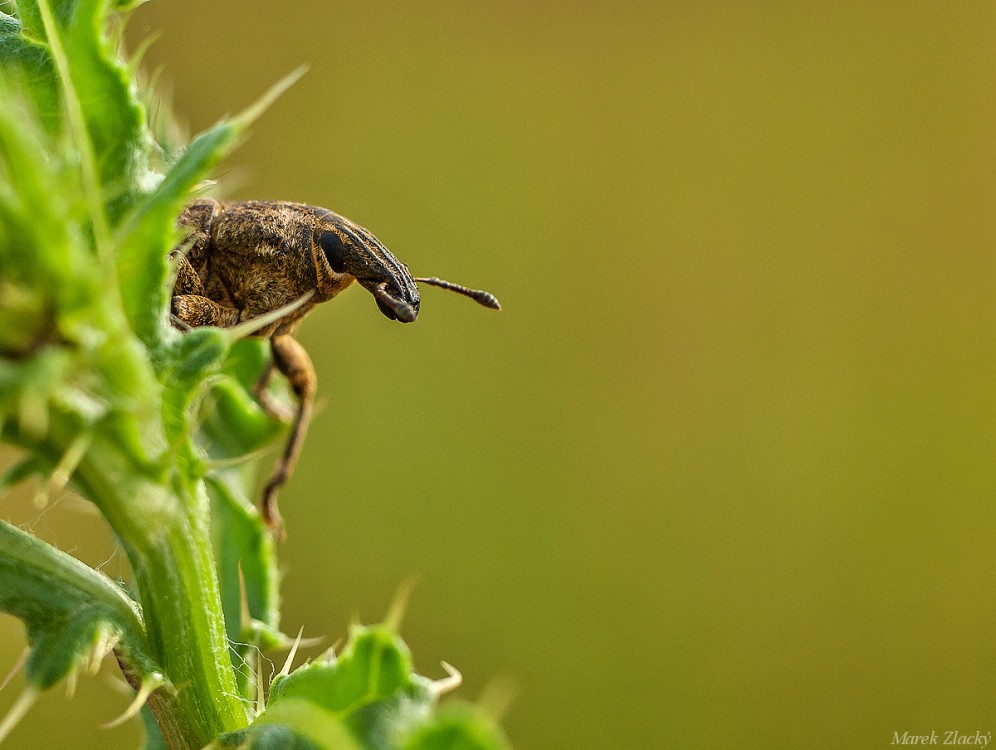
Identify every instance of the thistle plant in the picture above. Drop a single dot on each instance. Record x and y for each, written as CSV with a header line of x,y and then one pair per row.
x,y
156,428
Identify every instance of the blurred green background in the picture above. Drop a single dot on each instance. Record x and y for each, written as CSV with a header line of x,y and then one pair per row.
x,y
721,474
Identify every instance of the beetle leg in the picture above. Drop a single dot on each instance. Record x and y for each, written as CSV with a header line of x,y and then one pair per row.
x,y
270,405
293,361
187,280
193,310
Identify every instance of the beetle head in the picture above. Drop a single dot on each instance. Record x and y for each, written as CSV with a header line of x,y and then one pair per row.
x,y
349,250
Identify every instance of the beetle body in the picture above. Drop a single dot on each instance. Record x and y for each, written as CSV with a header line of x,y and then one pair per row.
x,y
250,258
245,259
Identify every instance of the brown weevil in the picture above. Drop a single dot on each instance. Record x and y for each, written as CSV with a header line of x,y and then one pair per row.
x,y
246,259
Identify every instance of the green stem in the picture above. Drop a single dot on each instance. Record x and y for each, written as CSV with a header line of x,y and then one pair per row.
x,y
186,631
166,535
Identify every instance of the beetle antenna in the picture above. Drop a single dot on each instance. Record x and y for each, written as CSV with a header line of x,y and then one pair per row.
x,y
478,295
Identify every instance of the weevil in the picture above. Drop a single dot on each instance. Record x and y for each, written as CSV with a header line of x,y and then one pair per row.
x,y
245,259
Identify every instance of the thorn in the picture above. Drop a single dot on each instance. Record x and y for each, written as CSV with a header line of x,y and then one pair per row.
x,y
396,612
309,642
63,470
71,680
149,686
105,643
329,657
18,665
136,59
255,110
293,652
447,684
18,711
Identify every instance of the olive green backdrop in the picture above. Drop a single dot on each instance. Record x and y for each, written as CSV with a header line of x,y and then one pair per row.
x,y
721,474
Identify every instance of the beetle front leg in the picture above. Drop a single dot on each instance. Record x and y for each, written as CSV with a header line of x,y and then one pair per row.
x,y
293,361
192,310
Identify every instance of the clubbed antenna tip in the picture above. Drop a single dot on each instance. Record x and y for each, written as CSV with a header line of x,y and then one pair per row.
x,y
478,295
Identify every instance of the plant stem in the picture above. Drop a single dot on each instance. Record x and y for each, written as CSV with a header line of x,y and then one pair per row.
x,y
165,532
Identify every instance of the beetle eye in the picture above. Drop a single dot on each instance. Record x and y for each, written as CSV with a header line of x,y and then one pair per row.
x,y
331,244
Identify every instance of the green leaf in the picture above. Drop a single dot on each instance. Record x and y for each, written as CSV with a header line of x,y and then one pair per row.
x,y
30,18
244,546
114,118
457,727
29,466
195,356
69,610
39,207
234,424
296,724
29,63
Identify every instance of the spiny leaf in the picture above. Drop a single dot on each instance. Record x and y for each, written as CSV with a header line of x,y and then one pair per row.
x,y
67,607
370,699
374,665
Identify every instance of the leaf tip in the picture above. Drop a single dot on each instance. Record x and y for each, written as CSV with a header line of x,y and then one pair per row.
x,y
293,652
254,110
18,666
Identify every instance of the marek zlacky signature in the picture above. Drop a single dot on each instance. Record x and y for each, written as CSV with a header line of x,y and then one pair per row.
x,y
949,737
